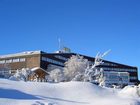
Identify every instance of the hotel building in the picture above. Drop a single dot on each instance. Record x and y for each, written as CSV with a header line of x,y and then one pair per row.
x,y
43,60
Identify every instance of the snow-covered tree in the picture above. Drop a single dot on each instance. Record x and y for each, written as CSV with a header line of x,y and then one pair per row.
x,y
75,68
26,72
56,75
53,67
21,75
94,74
101,78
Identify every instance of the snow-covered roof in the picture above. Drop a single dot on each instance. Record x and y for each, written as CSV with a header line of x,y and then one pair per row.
x,y
20,54
36,68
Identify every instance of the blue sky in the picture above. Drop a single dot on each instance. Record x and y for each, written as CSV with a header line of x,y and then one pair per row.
x,y
85,26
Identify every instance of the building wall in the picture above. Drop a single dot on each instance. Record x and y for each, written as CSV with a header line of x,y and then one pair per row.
x,y
19,62
53,59
33,61
60,58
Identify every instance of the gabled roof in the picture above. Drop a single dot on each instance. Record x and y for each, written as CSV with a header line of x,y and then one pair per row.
x,y
38,68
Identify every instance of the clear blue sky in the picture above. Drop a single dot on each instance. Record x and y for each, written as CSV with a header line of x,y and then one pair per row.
x,y
86,26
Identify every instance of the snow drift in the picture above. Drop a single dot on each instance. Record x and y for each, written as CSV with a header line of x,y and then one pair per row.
x,y
67,93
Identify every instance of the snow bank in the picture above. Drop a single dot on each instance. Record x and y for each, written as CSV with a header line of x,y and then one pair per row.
x,y
130,91
68,93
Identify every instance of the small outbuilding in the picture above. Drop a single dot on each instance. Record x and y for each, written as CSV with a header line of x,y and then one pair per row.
x,y
38,74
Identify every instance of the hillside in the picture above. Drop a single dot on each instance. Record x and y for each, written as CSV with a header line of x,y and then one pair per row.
x,y
68,93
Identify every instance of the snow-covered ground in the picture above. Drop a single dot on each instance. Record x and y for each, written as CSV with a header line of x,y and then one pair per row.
x,y
68,93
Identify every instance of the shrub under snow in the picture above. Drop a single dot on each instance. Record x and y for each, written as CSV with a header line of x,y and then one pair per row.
x,y
21,75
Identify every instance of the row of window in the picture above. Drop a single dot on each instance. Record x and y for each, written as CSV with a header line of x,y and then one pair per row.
x,y
52,67
120,69
117,79
133,78
12,60
108,64
116,73
61,57
105,64
52,61
5,71
112,77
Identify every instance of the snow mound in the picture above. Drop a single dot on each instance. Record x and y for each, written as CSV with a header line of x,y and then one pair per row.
x,y
130,91
66,93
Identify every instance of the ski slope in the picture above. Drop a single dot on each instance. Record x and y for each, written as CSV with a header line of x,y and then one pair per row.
x,y
67,93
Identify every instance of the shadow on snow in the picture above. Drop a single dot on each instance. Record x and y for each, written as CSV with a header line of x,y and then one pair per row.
x,y
60,99
15,94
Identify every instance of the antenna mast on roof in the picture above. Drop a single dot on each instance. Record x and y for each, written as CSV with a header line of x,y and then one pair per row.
x,y
59,43
62,49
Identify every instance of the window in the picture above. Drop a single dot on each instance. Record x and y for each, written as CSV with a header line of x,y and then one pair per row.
x,y
16,60
133,78
9,61
108,64
22,59
61,57
52,61
44,59
2,61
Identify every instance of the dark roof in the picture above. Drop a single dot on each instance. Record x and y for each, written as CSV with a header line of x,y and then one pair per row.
x,y
90,58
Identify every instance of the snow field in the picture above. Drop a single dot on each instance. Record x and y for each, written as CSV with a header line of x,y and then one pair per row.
x,y
66,93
